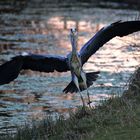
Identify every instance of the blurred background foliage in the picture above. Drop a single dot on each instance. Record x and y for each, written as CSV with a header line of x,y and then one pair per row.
x,y
18,5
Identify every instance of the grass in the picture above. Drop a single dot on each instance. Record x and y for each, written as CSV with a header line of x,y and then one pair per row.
x,y
116,119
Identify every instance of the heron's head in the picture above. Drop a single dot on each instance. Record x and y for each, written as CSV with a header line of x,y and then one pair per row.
x,y
73,37
73,32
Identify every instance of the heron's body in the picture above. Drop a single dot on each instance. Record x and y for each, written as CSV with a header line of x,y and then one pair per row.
x,y
73,62
78,75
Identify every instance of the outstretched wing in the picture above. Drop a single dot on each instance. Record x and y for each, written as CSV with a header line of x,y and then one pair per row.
x,y
105,34
10,70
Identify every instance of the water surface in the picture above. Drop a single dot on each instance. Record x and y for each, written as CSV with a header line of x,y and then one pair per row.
x,y
45,29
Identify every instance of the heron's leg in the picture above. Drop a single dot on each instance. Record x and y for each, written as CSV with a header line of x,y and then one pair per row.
x,y
83,74
77,85
89,101
82,99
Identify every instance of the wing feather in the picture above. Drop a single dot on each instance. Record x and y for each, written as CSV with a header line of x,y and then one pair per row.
x,y
11,69
48,63
105,34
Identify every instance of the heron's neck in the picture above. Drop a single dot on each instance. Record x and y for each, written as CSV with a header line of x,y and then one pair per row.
x,y
74,45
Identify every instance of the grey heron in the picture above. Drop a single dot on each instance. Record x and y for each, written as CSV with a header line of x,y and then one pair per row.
x,y
72,62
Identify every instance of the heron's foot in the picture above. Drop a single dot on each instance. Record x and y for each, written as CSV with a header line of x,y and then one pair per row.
x,y
89,102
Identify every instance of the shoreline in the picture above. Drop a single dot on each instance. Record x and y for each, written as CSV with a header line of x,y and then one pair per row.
x,y
116,118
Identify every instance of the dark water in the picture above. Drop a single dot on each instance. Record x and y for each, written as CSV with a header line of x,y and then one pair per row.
x,y
44,29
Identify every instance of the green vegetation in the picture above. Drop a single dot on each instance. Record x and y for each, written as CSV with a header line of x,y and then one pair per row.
x,y
116,119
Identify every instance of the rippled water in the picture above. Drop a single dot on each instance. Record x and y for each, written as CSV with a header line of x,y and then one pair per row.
x,y
44,29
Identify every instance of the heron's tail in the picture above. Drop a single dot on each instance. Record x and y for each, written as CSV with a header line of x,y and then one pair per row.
x,y
91,76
